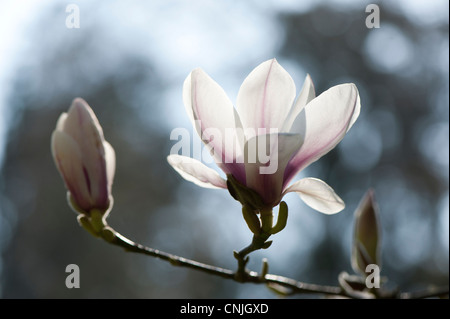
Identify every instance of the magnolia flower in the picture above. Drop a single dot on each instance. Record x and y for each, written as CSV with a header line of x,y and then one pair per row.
x,y
300,132
84,159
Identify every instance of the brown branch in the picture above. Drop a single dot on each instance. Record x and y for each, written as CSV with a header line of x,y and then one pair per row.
x,y
244,276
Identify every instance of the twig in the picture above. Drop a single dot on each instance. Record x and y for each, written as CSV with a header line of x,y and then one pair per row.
x,y
117,239
244,276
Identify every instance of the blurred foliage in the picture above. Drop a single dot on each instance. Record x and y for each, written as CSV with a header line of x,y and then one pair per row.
x,y
395,147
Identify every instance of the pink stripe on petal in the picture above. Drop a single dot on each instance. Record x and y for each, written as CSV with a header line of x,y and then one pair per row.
x,y
327,120
212,112
235,169
266,178
265,97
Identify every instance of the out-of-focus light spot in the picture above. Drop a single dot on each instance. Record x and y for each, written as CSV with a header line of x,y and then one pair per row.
x,y
202,30
388,49
388,127
14,18
421,12
289,6
411,240
433,145
361,149
435,51
407,237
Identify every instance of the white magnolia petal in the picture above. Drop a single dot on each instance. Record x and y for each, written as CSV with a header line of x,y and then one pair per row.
x,y
355,113
327,119
81,122
83,126
265,170
213,115
110,159
68,159
196,172
265,97
318,195
306,95
61,120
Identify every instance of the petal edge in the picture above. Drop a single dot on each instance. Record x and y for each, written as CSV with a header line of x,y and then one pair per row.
x,y
318,195
196,172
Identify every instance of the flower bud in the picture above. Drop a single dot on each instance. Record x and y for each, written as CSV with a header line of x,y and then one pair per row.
x,y
366,241
84,159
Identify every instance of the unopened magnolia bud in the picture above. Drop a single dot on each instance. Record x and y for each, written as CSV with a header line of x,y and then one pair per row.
x,y
84,159
366,240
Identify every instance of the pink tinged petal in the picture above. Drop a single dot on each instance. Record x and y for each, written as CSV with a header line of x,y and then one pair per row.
x,y
355,113
83,126
265,97
265,174
196,172
81,122
61,121
68,159
110,159
293,124
318,195
84,137
326,120
215,119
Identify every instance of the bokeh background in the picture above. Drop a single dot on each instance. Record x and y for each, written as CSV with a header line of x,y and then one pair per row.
x,y
129,60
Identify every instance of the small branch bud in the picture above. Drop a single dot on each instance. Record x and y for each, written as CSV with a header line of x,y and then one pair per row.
x,y
366,240
264,269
